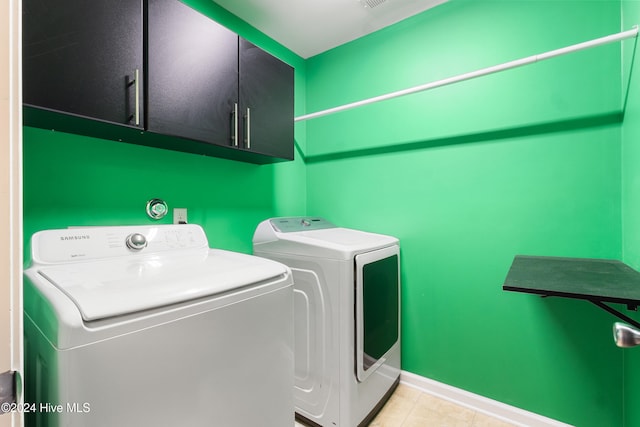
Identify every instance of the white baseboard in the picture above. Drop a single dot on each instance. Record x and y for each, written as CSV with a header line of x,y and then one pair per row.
x,y
490,407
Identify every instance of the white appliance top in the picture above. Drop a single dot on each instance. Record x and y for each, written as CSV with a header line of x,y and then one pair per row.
x,y
96,269
315,237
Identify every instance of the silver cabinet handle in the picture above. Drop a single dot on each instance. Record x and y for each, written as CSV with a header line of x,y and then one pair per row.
x,y
234,131
137,79
248,135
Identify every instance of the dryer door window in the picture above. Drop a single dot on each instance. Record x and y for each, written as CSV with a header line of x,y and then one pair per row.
x,y
377,308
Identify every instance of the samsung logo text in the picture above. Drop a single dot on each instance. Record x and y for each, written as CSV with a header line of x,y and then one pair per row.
x,y
76,237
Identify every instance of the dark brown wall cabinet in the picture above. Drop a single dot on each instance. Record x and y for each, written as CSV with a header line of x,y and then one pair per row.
x,y
156,73
82,57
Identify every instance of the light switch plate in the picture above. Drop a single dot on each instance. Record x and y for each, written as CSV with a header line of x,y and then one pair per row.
x,y
179,215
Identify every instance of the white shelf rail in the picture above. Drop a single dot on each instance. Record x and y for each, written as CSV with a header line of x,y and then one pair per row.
x,y
478,73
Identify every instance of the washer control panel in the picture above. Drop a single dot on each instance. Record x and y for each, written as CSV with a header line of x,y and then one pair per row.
x,y
93,243
293,224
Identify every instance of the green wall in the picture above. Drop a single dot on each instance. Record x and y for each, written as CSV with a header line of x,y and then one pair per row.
x,y
72,180
527,161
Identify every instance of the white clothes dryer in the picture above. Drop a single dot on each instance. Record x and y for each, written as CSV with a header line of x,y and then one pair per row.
x,y
146,326
347,316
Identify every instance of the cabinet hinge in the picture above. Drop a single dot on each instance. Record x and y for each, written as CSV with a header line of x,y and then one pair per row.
x,y
7,388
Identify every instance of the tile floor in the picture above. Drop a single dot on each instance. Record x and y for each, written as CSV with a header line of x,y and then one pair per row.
x,y
410,407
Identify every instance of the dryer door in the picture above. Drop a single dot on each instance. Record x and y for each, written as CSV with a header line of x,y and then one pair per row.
x,y
377,307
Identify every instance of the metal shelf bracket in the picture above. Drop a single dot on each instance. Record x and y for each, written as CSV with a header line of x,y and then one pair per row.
x,y
617,313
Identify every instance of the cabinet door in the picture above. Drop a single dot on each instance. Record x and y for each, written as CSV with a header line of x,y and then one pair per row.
x,y
192,74
266,101
82,57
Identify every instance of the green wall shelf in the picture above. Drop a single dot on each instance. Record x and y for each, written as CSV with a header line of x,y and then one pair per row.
x,y
599,281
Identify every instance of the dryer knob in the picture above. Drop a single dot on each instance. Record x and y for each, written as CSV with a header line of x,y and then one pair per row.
x,y
136,241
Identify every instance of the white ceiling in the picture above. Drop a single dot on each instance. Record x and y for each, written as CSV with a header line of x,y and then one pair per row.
x,y
310,27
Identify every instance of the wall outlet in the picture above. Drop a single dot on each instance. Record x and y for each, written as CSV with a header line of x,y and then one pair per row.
x,y
179,215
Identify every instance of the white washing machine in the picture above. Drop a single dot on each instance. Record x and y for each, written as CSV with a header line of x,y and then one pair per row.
x,y
347,316
146,326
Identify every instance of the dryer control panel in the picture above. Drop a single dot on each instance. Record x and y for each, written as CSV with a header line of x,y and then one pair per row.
x,y
293,224
93,243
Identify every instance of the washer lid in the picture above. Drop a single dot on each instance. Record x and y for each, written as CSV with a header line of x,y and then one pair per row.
x,y
103,289
333,243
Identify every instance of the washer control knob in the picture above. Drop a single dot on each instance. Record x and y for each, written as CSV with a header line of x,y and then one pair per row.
x,y
136,241
305,223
